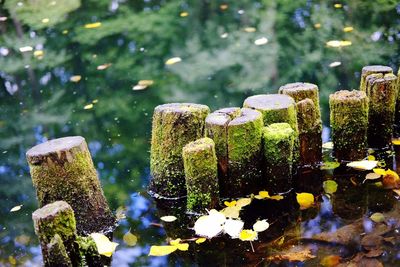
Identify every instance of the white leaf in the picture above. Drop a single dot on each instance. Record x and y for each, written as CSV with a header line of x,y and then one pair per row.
x,y
233,227
363,164
261,226
208,226
169,218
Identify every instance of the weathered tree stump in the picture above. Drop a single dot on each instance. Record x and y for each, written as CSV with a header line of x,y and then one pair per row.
x,y
278,142
308,119
277,108
349,124
62,169
201,170
56,228
216,129
381,90
174,125
374,69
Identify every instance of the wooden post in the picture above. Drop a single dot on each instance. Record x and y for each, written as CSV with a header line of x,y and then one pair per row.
x,y
200,163
174,125
277,108
278,142
62,169
374,69
349,124
56,228
309,120
382,93
397,116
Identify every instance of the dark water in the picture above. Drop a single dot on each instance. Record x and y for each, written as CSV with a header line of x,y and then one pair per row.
x,y
229,50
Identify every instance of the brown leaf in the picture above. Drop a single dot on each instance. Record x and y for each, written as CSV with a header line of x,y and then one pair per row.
x,y
371,241
302,255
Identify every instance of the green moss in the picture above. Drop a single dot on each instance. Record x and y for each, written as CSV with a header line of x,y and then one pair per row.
x,y
374,69
278,142
57,254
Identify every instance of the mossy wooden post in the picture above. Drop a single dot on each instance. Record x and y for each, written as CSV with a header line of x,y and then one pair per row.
x,y
277,108
174,125
244,152
62,169
55,226
381,90
200,163
216,129
309,121
278,142
397,116
373,69
349,124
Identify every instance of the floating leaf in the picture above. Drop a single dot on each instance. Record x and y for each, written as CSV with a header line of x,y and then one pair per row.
x,y
173,60
396,142
38,53
293,256
397,191
181,246
333,65
379,171
348,29
25,49
92,25
210,225
231,212
377,217
130,239
391,179
88,106
372,176
248,235
242,202
104,245
16,208
139,87
305,200
146,82
233,227
169,218
230,204
184,14
200,240
161,250
330,261
330,186
103,66
260,226
371,157
327,145
363,164
261,41
75,78
262,195
250,29
330,165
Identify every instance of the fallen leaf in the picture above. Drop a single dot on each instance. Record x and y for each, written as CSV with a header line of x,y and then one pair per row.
x,y
397,191
161,250
372,176
104,245
25,49
200,240
173,60
363,164
242,202
276,197
391,179
146,82
169,218
130,239
16,208
348,29
293,256
330,261
396,142
330,165
231,212
210,225
371,157
260,226
248,235
379,171
230,204
75,78
103,66
139,87
92,25
377,217
88,106
305,200
233,227
327,145
330,186
181,246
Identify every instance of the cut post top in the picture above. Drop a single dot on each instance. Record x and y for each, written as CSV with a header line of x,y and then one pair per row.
x,y
232,116
376,69
246,115
269,102
380,78
347,97
232,112
201,144
297,88
181,108
278,131
51,210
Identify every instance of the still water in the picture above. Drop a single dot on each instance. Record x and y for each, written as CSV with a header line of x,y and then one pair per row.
x,y
98,69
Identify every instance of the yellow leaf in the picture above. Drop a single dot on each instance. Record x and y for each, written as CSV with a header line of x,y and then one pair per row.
x,y
372,176
233,227
200,240
139,87
88,106
371,157
175,242
38,53
377,217
173,60
330,186
223,6
16,208
169,218
75,78
230,204
396,142
184,14
248,235
250,29
397,191
330,261
348,29
363,164
392,173
261,226
379,171
263,194
146,82
338,5
276,197
231,212
330,165
182,246
305,200
130,239
161,250
92,25
104,245
103,66
243,202
261,41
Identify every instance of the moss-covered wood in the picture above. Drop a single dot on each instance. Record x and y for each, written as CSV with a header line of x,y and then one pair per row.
x,y
277,108
201,172
349,124
174,125
397,114
62,169
244,152
278,141
308,119
373,69
381,90
55,227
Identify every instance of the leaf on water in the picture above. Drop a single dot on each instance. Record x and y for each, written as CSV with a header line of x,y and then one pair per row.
x,y
363,164
16,208
293,256
230,204
348,29
330,165
262,195
396,142
146,82
261,41
305,200
200,240
161,250
25,49
184,14
372,176
210,225
328,145
379,171
88,106
242,202
169,218
330,186
248,235
104,245
139,87
177,243
397,191
173,60
371,157
377,217
130,239
92,25
75,78
391,179
330,261
103,66
231,212
38,53
233,227
260,226
250,29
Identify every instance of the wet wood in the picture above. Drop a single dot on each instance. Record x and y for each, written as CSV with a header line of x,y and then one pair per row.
x,y
373,69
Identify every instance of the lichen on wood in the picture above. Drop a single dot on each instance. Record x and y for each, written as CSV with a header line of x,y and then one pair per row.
x,y
200,163
278,141
373,69
349,124
381,90
62,169
174,125
397,115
